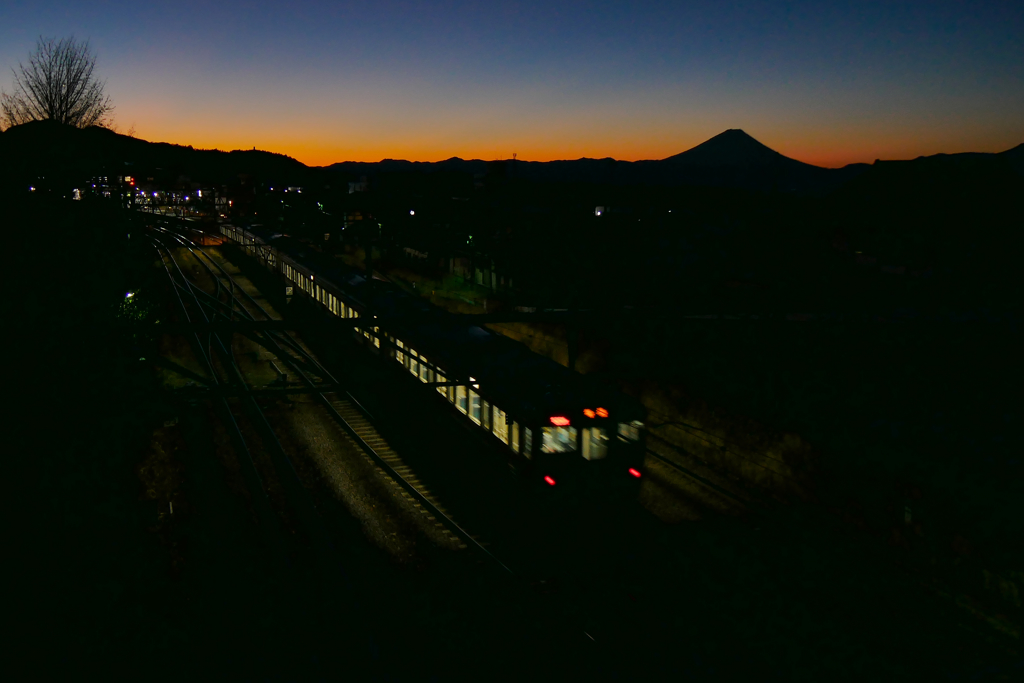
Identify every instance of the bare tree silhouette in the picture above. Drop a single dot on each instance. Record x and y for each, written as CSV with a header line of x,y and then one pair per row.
x,y
59,83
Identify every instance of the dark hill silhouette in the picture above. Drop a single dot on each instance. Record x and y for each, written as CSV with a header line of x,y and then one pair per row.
x,y
38,147
732,159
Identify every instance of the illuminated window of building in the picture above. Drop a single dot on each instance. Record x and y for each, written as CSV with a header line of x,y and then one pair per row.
x,y
595,443
500,426
460,398
474,406
558,440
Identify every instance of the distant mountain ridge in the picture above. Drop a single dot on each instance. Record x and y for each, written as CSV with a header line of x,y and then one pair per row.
x,y
730,159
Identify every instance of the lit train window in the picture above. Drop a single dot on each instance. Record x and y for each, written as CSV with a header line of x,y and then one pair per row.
x,y
514,431
474,406
376,337
485,414
630,431
414,366
460,398
399,354
500,426
558,440
528,443
595,443
442,390
425,371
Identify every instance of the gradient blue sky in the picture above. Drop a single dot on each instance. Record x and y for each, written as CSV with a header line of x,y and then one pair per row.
x,y
824,82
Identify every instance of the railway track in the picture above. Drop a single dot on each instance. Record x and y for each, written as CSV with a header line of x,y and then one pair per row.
x,y
345,410
717,484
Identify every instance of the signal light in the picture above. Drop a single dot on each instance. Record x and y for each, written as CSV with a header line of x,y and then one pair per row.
x,y
549,480
634,472
602,412
559,421
588,412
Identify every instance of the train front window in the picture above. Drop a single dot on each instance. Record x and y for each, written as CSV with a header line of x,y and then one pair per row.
x,y
595,443
630,431
559,440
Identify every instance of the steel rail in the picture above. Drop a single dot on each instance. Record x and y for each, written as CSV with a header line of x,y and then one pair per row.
x,y
264,511
445,520
300,500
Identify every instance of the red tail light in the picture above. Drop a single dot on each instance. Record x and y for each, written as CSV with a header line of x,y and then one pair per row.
x,y
634,472
549,480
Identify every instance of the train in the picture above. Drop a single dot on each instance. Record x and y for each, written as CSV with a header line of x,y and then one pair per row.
x,y
557,427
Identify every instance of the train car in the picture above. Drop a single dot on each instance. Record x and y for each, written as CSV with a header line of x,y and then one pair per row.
x,y
557,427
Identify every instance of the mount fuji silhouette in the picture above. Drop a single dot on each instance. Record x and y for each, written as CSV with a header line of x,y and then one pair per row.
x,y
733,148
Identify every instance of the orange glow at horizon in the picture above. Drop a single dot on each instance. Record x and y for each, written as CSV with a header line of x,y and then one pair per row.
x,y
307,149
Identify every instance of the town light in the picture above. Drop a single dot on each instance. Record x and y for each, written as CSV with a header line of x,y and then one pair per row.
x,y
412,213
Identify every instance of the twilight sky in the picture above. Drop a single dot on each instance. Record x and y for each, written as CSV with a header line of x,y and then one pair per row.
x,y
828,83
